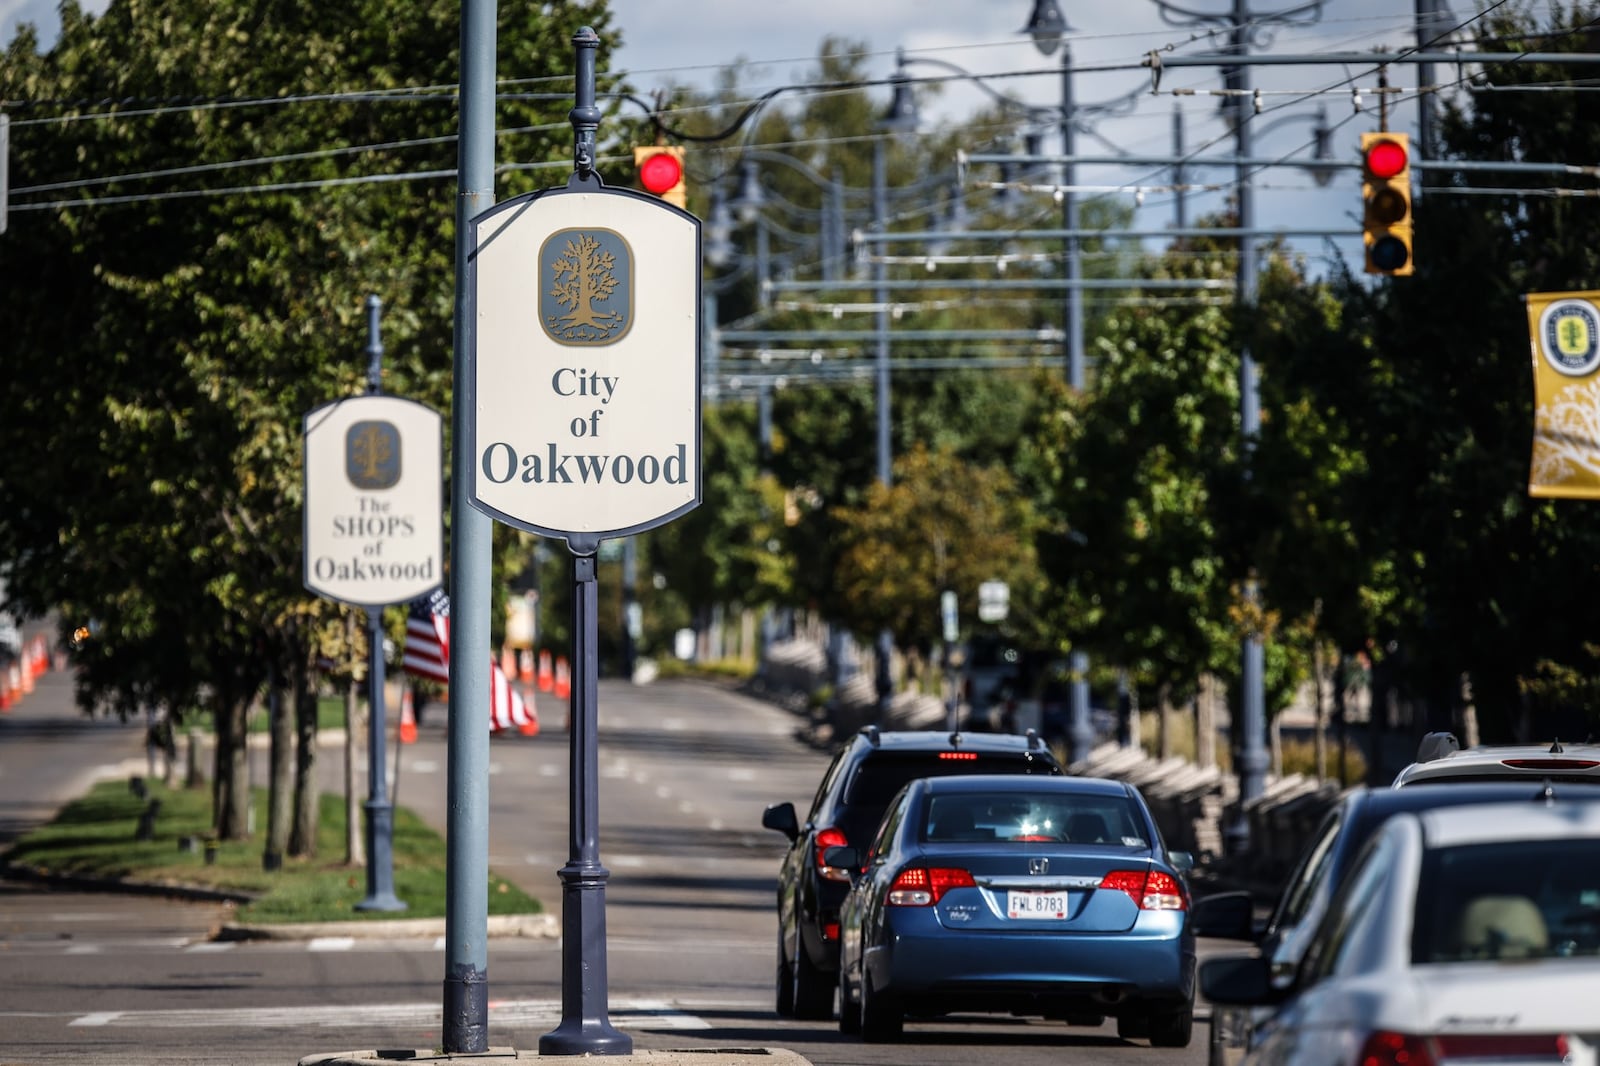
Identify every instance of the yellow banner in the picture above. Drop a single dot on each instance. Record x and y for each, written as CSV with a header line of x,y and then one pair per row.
x,y
1564,328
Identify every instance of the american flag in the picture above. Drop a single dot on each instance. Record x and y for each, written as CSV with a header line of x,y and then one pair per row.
x,y
428,655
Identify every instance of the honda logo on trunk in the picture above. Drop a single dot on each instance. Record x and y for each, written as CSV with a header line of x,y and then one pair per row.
x,y
1038,866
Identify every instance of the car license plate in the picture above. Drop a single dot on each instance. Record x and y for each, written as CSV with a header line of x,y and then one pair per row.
x,y
1036,904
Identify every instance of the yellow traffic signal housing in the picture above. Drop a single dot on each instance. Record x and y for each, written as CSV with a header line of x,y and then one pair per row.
x,y
1386,203
661,172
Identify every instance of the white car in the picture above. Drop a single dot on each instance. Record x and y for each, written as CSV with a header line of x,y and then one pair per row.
x,y
1460,933
1440,759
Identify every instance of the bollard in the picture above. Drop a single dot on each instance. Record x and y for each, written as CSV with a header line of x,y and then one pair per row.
x,y
211,851
146,829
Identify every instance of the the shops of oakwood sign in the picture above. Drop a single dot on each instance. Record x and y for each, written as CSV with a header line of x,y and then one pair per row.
x,y
585,362
374,497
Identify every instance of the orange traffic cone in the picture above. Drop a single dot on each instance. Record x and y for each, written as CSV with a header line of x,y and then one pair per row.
x,y
5,690
530,724
408,719
546,679
508,660
26,670
524,666
563,680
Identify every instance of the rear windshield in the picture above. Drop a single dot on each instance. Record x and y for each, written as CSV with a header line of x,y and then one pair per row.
x,y
878,778
1517,900
1024,817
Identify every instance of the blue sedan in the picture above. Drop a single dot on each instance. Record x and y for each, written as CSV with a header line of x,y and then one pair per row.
x,y
1051,897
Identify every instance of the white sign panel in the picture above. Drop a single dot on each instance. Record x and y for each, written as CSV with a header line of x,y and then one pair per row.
x,y
585,362
374,507
994,601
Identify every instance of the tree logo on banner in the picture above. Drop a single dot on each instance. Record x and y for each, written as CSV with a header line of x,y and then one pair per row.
x,y
586,287
1571,337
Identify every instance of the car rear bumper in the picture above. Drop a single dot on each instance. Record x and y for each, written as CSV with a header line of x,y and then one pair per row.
x,y
997,971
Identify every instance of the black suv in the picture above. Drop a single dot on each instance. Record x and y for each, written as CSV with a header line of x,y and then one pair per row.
x,y
863,777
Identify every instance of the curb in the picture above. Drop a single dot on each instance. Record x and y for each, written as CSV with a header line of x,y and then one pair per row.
x,y
730,1056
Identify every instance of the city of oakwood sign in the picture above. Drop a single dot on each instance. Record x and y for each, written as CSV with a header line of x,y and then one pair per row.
x,y
584,362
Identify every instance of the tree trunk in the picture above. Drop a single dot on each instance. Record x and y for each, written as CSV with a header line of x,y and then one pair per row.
x,y
1164,723
1205,724
355,853
1321,740
279,726
303,833
230,791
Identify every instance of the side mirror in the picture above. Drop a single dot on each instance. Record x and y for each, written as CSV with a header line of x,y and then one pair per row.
x,y
1227,915
1240,981
1182,861
844,857
781,816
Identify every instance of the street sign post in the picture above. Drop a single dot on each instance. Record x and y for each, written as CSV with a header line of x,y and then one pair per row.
x,y
583,422
374,536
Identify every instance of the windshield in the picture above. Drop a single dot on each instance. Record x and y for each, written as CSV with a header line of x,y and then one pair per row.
x,y
1508,900
1027,817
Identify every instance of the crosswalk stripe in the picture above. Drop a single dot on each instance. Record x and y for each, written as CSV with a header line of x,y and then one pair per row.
x,y
626,1013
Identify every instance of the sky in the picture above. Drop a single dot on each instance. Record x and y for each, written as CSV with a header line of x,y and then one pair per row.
x,y
690,41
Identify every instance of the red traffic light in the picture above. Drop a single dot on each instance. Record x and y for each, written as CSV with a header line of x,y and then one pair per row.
x,y
659,172
1385,159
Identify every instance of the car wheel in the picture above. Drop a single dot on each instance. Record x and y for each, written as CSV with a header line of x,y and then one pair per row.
x,y
849,1012
881,1017
812,991
1133,1026
1172,1029
784,985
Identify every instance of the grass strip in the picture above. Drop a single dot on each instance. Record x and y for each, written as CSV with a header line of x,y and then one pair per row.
x,y
94,837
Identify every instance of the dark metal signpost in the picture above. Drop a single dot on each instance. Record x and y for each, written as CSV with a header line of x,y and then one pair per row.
x,y
374,536
584,364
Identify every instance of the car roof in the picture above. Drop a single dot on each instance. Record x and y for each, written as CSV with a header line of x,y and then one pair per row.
x,y
1501,822
943,740
1078,786
1568,761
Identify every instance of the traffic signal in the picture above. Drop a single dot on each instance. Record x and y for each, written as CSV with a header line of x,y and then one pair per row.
x,y
1386,203
661,172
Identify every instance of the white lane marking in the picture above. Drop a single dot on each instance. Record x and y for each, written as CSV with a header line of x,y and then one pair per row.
x,y
549,770
423,766
330,943
741,773
686,807
633,862
662,791
84,949
673,725
625,1013
212,947
438,945
716,824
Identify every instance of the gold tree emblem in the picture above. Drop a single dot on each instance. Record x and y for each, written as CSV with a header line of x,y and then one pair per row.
x,y
371,455
584,274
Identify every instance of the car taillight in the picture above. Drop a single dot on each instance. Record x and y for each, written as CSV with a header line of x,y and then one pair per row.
x,y
919,887
1551,764
1384,1048
1151,890
958,755
831,838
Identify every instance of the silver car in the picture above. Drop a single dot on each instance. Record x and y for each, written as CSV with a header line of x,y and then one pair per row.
x,y
1460,933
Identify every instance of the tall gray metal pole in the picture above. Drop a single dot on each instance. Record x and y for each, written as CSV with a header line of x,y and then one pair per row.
x,y
1080,731
585,1028
466,935
1253,757
380,812
880,277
